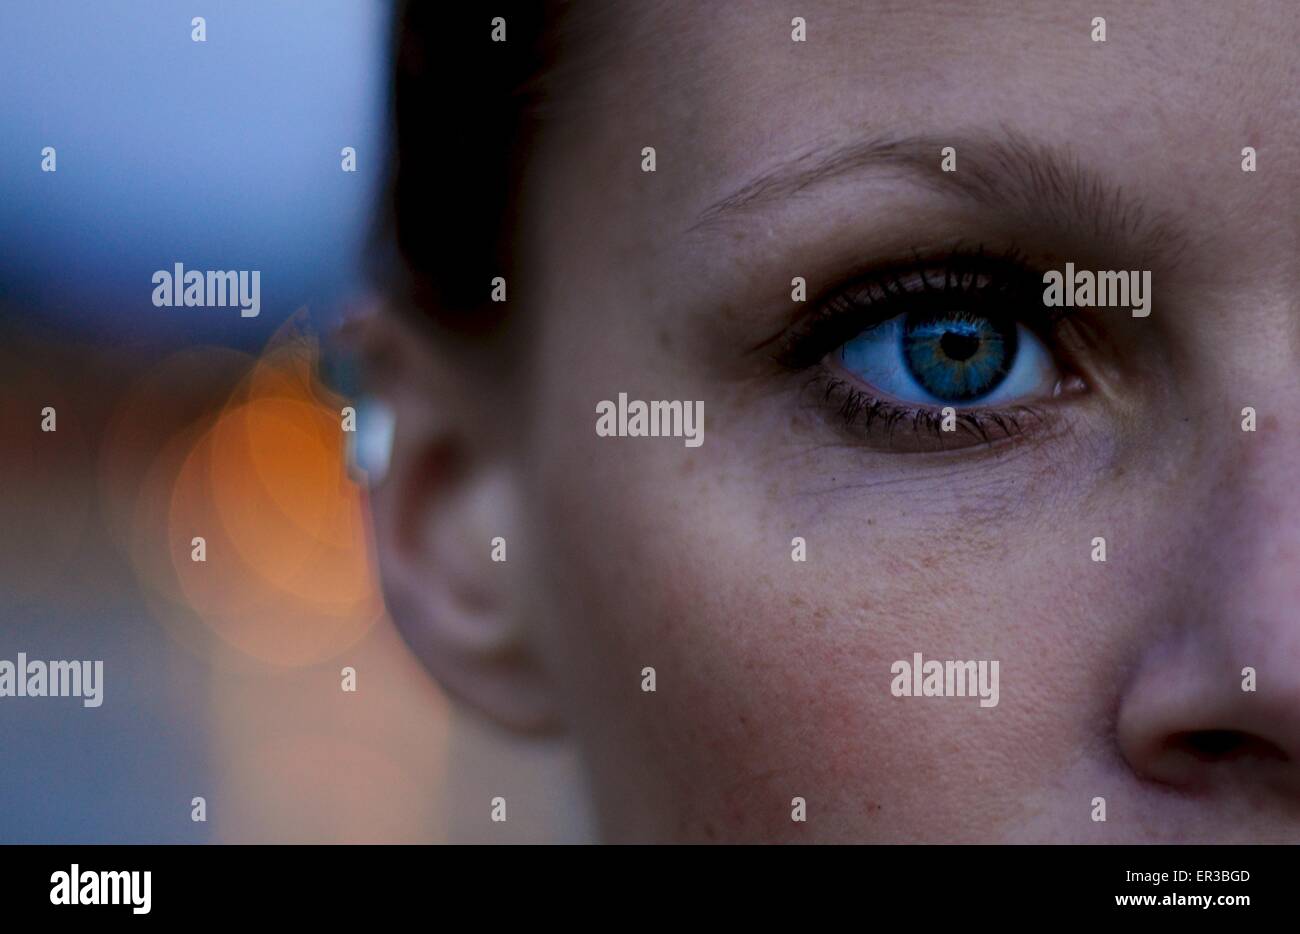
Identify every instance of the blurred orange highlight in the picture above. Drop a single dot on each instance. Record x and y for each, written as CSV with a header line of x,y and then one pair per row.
x,y
289,574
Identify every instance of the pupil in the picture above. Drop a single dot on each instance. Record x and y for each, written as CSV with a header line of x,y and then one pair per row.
x,y
959,347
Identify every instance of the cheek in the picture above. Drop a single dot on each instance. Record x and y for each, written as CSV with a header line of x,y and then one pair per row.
x,y
773,676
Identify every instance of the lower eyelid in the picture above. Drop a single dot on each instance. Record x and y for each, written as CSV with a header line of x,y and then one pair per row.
x,y
891,425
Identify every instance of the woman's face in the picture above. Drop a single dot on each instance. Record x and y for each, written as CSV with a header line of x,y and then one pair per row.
x,y
775,678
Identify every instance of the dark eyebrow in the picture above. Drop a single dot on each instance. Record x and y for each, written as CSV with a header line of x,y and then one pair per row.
x,y
1042,184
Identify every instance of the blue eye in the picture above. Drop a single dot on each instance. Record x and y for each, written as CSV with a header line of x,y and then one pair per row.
x,y
951,358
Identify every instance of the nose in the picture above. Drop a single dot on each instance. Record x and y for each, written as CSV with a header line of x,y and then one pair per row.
x,y
1214,702
1206,714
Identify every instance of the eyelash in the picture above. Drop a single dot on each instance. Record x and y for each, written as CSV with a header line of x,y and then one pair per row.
x,y
855,406
1003,283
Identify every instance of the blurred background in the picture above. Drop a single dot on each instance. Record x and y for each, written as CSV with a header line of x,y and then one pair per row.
x,y
222,678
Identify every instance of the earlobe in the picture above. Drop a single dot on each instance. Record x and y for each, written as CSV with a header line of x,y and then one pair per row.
x,y
447,494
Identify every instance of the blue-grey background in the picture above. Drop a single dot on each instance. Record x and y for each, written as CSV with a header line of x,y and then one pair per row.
x,y
220,155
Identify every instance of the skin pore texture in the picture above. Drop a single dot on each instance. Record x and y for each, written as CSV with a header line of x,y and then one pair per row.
x,y
821,159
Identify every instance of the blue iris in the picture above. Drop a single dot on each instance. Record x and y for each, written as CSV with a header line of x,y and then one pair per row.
x,y
957,356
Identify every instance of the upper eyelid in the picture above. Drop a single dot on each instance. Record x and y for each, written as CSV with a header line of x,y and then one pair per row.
x,y
1016,280
961,274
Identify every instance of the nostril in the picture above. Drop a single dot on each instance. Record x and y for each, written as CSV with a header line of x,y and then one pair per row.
x,y
1225,746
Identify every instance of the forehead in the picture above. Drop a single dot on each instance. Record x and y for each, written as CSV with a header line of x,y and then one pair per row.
x,y
722,89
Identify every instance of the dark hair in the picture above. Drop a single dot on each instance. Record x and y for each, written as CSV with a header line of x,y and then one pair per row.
x,y
461,120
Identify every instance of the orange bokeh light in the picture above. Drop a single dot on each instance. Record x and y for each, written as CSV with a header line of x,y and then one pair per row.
x,y
288,576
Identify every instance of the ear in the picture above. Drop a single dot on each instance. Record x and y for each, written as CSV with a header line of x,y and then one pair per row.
x,y
448,491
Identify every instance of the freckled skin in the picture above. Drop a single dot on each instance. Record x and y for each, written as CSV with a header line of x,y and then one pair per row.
x,y
773,676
